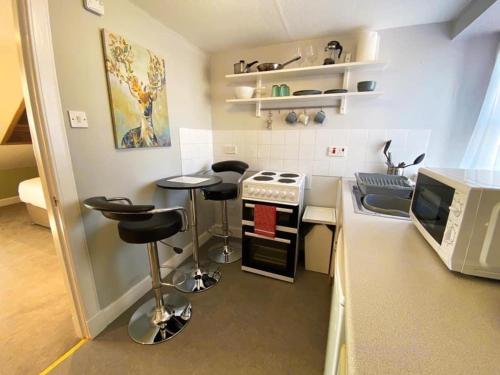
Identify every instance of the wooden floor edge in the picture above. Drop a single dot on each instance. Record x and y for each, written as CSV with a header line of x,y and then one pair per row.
x,y
62,358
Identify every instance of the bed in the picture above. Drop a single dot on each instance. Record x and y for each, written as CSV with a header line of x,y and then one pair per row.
x,y
31,193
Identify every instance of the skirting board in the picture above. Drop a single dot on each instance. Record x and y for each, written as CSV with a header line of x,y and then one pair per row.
x,y
108,314
8,201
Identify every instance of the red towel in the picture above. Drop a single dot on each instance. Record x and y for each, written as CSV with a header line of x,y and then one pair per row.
x,y
265,220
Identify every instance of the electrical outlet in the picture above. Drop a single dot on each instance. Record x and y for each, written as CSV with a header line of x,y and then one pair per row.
x,y
94,6
78,119
338,151
230,149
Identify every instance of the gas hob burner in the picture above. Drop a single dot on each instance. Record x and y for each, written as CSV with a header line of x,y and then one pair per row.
x,y
263,178
268,173
286,180
289,175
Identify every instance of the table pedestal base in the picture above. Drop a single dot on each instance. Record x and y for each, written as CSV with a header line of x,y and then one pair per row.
x,y
197,279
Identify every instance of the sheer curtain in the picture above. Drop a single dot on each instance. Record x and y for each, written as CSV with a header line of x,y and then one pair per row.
x,y
483,151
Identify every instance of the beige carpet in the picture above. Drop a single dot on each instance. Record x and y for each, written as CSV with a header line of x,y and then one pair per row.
x,y
248,324
35,317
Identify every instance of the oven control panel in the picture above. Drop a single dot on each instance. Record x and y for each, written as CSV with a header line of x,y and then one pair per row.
x,y
270,193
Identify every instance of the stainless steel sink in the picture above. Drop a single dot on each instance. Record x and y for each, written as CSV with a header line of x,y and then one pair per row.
x,y
380,205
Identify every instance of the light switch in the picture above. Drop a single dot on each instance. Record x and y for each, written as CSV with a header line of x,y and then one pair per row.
x,y
78,119
95,6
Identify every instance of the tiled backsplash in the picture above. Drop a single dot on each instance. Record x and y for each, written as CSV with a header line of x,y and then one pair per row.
x,y
305,150
196,149
302,150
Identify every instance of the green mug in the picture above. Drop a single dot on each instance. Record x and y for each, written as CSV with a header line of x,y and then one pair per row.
x,y
275,90
284,90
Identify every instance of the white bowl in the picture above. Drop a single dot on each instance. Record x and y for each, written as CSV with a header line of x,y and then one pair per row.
x,y
244,92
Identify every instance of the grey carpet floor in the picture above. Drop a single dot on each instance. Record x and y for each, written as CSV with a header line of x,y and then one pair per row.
x,y
35,316
247,324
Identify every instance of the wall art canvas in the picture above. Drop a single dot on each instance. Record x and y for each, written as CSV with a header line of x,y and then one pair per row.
x,y
138,94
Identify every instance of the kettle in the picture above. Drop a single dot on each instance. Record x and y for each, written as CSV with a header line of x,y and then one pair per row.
x,y
331,47
241,67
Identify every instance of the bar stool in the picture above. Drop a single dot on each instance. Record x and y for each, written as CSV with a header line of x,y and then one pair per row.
x,y
225,252
165,315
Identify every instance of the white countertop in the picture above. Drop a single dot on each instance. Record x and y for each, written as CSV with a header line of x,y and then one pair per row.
x,y
406,313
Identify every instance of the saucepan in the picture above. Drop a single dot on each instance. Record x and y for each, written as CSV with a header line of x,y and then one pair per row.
x,y
275,66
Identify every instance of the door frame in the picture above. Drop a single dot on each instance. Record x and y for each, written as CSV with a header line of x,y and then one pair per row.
x,y
51,148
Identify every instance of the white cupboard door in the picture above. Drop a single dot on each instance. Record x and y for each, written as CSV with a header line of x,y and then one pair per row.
x,y
336,326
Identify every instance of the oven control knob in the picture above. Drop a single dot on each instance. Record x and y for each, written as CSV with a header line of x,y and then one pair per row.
x,y
269,193
251,191
257,191
291,195
283,194
276,193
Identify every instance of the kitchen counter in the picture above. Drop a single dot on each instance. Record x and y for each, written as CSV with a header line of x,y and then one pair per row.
x,y
406,313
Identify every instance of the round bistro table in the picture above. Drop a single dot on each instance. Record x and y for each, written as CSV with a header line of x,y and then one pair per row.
x,y
198,277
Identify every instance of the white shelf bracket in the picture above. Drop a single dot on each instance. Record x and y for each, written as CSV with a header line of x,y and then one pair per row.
x,y
258,92
345,85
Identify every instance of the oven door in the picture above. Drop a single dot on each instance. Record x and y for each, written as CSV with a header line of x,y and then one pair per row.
x,y
272,255
286,216
431,205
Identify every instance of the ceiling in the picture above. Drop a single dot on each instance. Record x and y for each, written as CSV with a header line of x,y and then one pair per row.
x,y
223,24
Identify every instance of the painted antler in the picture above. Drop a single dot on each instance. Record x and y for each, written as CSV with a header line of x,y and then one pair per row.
x,y
156,75
121,66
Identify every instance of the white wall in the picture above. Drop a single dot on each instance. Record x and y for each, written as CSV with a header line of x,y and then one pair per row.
x,y
99,168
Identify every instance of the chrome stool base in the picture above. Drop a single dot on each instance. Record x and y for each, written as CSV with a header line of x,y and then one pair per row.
x,y
223,254
142,328
196,279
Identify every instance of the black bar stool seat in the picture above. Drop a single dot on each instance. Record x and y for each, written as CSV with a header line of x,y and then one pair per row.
x,y
157,228
221,192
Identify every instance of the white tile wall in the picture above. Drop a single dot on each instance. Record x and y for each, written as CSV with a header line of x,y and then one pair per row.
x,y
305,150
196,149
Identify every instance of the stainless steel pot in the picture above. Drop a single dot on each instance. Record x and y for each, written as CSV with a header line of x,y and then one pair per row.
x,y
241,67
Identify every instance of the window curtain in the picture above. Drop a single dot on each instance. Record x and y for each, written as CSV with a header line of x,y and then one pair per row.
x,y
483,151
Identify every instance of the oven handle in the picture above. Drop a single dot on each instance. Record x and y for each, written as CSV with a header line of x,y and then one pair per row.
x,y
275,239
279,209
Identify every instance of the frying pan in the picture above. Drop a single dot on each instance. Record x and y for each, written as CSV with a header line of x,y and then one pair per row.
x,y
275,66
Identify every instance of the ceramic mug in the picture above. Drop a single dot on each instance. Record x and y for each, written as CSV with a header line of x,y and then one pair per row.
x,y
284,90
275,91
291,118
320,117
304,118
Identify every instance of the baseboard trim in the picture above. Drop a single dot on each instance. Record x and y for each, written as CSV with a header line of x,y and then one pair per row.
x,y
107,315
9,201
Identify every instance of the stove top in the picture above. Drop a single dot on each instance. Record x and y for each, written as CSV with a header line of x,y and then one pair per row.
x,y
273,177
274,186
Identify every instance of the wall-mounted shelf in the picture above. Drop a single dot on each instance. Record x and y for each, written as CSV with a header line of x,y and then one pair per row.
x,y
309,71
306,100
322,100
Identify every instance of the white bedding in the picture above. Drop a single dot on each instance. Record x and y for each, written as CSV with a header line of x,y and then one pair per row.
x,y
30,191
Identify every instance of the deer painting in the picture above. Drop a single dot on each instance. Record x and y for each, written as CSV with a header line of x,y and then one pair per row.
x,y
136,79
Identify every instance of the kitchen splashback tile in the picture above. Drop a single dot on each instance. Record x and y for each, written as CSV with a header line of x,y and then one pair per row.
x,y
264,151
307,137
306,152
278,137
290,165
292,137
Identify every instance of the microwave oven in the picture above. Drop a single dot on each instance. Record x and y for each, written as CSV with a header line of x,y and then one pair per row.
x,y
458,213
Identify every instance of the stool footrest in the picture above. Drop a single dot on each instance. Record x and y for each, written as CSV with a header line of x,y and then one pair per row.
x,y
218,233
